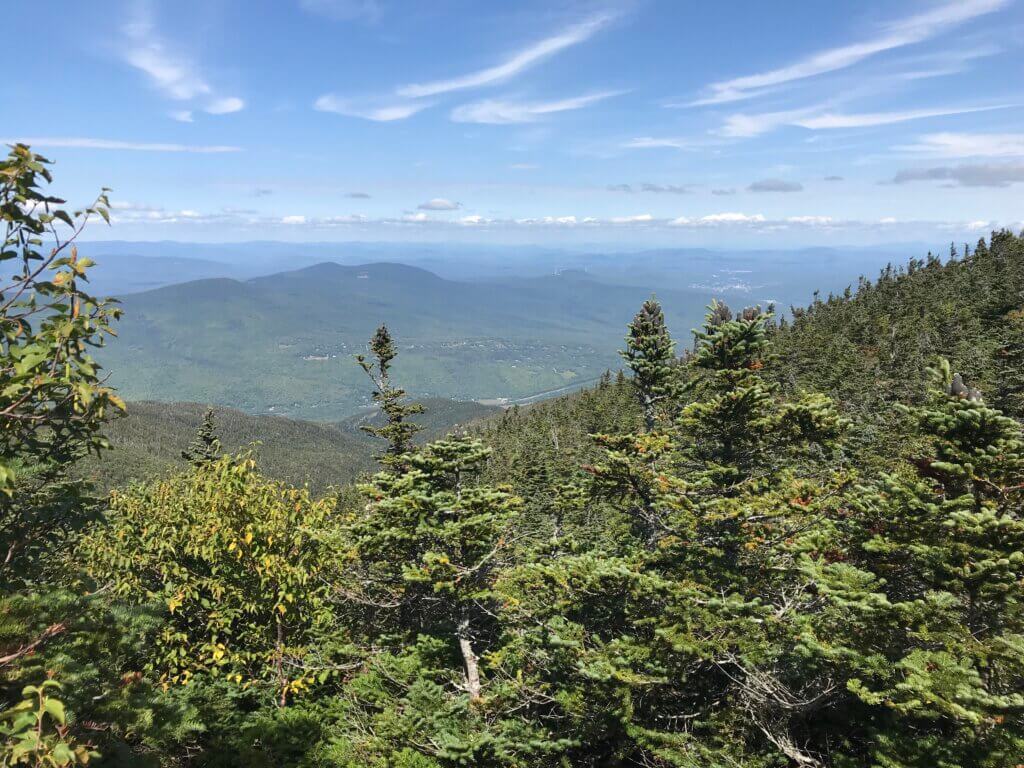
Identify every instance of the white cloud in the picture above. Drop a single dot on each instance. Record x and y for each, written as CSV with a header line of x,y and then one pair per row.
x,y
732,218
439,204
811,220
642,218
499,112
88,143
563,221
947,61
815,118
379,112
144,214
524,166
225,105
747,126
182,115
513,65
898,34
969,145
171,72
651,142
869,119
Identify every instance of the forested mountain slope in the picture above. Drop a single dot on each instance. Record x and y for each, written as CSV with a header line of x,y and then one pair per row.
x,y
284,344
867,348
149,439
148,442
869,345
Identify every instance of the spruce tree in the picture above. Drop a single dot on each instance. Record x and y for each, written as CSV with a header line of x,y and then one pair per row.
x,y
205,446
940,669
426,552
1008,394
650,354
397,430
740,427
432,540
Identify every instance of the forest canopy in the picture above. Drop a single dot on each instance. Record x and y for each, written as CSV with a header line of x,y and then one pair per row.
x,y
786,540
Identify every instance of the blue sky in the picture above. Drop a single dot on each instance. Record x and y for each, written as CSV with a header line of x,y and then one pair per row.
x,y
613,123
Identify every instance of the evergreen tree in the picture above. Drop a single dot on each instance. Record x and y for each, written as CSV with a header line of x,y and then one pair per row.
x,y
650,354
433,540
1008,389
397,430
205,446
740,427
939,674
427,550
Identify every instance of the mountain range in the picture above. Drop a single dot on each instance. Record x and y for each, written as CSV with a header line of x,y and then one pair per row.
x,y
278,341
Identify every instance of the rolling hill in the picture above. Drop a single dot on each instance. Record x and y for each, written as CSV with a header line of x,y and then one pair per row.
x,y
284,344
148,441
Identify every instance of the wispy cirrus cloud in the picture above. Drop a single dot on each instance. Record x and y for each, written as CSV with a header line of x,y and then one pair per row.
x,y
744,126
819,118
513,65
136,146
896,34
832,120
504,112
968,145
170,71
948,61
409,99
660,142
381,112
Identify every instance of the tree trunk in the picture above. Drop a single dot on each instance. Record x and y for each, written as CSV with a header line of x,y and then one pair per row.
x,y
470,659
282,682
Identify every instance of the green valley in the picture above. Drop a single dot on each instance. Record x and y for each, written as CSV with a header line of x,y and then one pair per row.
x,y
285,344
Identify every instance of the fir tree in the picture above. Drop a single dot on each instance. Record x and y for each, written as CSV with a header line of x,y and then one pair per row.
x,y
940,587
432,540
205,446
1008,394
650,354
427,550
397,430
740,426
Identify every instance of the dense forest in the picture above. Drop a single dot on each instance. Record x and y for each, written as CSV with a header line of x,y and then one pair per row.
x,y
786,541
